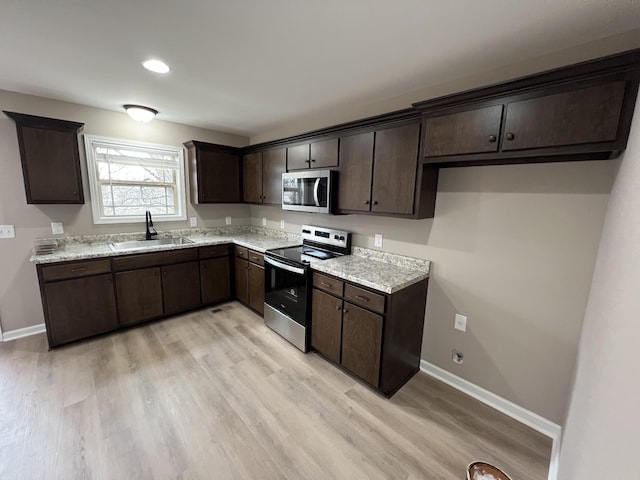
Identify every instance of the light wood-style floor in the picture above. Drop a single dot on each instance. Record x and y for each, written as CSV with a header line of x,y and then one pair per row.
x,y
216,395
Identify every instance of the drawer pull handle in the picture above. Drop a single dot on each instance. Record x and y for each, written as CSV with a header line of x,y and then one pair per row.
x,y
510,136
325,284
362,297
338,308
492,138
79,269
283,306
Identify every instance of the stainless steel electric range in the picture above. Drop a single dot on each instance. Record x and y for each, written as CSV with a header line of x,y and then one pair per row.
x,y
288,281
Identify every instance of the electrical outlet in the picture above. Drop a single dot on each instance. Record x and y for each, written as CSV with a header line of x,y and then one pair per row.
x,y
264,222
457,357
282,224
227,220
57,228
460,323
193,221
377,240
7,231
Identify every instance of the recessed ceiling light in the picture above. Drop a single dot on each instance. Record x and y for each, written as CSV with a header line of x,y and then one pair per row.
x,y
157,66
140,113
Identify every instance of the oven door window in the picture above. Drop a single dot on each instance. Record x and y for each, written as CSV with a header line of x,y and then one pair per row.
x,y
308,192
286,292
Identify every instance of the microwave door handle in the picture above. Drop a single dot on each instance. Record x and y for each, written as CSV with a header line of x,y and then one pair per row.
x,y
316,187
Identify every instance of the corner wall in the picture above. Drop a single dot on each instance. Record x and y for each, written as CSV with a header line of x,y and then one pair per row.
x,y
20,305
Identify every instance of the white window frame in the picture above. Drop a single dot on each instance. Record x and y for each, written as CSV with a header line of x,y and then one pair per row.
x,y
98,217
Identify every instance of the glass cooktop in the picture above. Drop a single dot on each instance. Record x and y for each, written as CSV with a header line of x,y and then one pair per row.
x,y
302,254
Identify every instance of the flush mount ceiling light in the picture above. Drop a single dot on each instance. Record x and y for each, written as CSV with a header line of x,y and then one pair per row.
x,y
155,65
140,113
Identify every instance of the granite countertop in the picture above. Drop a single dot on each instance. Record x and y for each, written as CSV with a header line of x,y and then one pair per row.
x,y
74,248
375,269
380,271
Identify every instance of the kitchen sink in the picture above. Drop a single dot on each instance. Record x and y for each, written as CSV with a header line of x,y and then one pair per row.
x,y
144,244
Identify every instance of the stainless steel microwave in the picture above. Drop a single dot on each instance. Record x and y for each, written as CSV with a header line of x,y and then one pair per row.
x,y
308,191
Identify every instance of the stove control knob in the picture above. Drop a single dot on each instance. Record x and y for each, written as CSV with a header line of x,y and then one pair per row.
x,y
336,237
342,237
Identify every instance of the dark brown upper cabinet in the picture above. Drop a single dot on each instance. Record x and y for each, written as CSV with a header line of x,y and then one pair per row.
x,y
380,173
214,172
321,154
262,176
50,159
581,112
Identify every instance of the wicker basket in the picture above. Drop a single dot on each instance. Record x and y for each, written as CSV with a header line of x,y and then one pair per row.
x,y
485,471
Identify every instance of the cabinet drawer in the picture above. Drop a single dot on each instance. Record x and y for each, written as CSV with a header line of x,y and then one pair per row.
x,y
242,252
75,270
213,251
328,284
132,262
364,298
255,257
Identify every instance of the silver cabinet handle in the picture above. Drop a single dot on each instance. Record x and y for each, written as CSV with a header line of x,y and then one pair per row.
x,y
316,186
361,297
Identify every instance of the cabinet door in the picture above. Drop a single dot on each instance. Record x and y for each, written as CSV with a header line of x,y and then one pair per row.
x,y
180,287
252,178
274,164
473,131
256,287
218,177
215,280
585,115
395,165
324,154
139,294
356,165
298,157
361,342
51,166
242,280
80,308
326,325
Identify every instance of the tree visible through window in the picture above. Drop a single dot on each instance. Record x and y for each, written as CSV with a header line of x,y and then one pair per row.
x,y
130,178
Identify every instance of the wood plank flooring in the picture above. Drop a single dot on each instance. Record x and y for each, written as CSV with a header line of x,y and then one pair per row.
x,y
216,395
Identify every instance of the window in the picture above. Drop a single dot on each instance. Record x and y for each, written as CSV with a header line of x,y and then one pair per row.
x,y
128,178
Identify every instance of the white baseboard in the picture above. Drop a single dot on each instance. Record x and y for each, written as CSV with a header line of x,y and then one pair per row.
x,y
527,417
23,332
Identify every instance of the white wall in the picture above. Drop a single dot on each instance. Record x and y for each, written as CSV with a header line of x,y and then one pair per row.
x,y
19,295
603,425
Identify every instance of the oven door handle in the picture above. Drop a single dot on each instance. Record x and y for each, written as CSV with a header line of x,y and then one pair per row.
x,y
284,266
316,186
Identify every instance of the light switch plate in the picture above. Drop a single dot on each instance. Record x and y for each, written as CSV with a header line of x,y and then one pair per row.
x,y
193,221
264,222
460,323
377,240
7,231
227,220
57,228
282,224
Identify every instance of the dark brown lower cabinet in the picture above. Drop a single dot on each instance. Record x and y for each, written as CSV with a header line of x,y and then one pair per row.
x,y
242,279
361,341
256,287
79,308
139,295
180,287
249,281
379,339
326,334
215,280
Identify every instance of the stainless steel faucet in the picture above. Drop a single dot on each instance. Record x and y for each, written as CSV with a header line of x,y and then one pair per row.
x,y
151,232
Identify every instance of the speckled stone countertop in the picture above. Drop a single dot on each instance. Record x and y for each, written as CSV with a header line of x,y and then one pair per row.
x,y
380,271
95,246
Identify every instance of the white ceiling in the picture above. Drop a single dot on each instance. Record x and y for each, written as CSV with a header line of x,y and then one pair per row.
x,y
246,66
